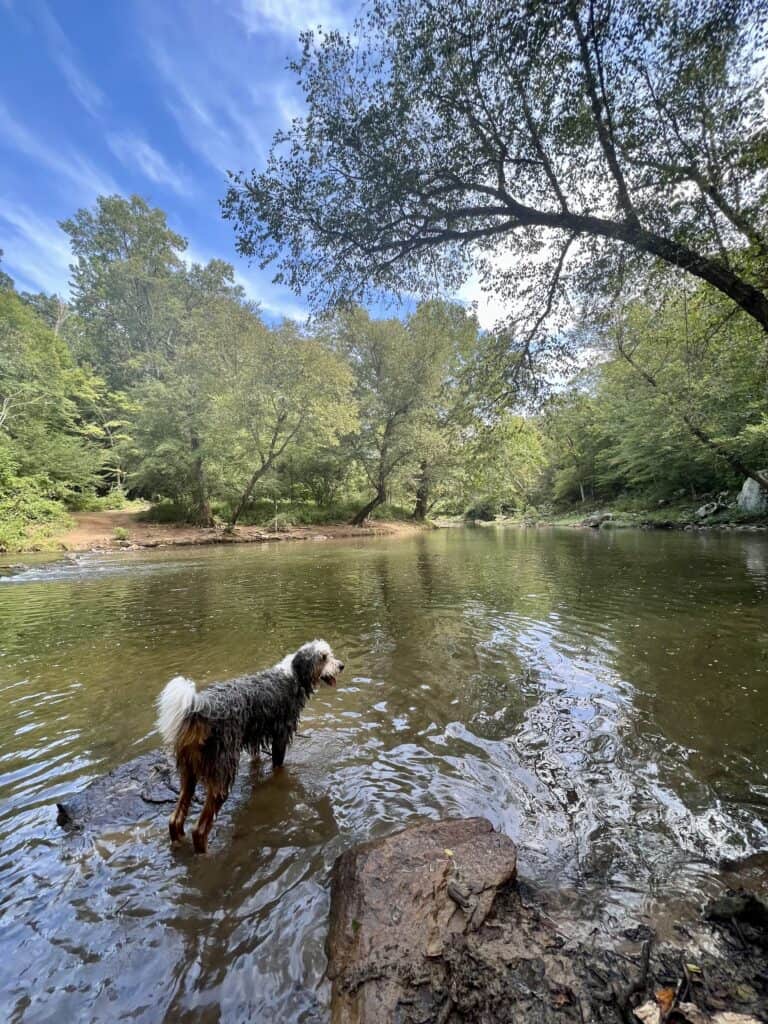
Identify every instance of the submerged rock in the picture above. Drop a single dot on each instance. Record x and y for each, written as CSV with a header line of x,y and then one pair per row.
x,y
142,788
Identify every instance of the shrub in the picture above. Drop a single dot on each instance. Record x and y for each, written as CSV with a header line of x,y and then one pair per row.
x,y
165,512
485,509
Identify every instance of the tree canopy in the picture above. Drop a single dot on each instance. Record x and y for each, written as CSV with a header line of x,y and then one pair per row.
x,y
547,148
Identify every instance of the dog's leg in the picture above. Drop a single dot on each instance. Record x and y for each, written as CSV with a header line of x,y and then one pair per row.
x,y
279,745
211,808
179,816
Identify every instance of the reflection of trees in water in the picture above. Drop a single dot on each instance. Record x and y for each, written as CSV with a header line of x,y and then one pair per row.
x,y
756,560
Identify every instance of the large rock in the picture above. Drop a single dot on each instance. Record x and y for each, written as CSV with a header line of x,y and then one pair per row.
x,y
428,926
752,497
397,902
145,787
596,519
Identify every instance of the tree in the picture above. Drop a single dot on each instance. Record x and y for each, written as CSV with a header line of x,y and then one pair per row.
x,y
572,423
42,394
448,334
6,282
540,145
283,390
399,368
705,368
677,407
125,287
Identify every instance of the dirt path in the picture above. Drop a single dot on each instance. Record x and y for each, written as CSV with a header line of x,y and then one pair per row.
x,y
97,530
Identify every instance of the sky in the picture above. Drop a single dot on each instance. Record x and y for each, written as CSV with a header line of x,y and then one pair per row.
x,y
154,97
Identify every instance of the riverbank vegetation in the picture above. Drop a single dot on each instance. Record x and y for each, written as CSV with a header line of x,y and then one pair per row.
x,y
161,381
617,206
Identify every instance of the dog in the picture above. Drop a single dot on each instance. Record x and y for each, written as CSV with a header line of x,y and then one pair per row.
x,y
258,713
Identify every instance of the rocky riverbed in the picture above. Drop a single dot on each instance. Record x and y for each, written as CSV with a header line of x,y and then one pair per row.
x,y
432,924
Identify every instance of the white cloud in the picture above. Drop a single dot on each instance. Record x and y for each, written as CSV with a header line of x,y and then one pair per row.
x,y
34,248
290,17
87,93
217,120
134,151
65,163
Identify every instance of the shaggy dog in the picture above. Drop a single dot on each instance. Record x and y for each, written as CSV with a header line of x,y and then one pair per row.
x,y
209,730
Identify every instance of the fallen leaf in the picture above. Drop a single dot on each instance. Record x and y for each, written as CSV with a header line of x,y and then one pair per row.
x,y
689,1013
648,1013
665,997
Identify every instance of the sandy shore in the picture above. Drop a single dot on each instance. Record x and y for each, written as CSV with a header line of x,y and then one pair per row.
x,y
96,530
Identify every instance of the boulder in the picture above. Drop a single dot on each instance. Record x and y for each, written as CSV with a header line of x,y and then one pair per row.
x,y
709,509
596,519
752,498
143,788
397,902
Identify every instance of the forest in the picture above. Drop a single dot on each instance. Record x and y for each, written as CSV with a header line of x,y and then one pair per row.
x,y
158,380
616,209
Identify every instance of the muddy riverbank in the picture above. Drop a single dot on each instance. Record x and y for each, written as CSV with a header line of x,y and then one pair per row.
x,y
116,530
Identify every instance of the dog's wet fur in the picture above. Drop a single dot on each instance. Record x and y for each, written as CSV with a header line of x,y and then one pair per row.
x,y
257,713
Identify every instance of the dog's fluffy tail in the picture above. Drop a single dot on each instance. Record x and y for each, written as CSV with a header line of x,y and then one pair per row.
x,y
174,703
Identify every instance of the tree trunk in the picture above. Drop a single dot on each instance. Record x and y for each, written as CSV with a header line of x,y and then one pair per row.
x,y
366,510
421,507
246,495
581,491
203,514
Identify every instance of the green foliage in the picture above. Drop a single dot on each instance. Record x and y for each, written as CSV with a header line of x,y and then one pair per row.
x,y
203,409
47,455
485,509
552,151
26,512
680,407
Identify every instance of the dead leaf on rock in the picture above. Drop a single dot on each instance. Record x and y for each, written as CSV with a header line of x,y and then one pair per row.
x,y
648,1013
665,997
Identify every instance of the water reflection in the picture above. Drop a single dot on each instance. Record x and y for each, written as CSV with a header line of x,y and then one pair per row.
x,y
599,696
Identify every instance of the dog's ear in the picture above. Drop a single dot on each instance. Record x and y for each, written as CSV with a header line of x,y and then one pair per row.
x,y
304,667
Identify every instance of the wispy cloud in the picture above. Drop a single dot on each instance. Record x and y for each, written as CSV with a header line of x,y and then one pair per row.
x,y
34,248
87,93
133,151
218,119
63,162
290,17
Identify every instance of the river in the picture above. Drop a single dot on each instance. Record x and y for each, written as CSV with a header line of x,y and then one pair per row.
x,y
600,696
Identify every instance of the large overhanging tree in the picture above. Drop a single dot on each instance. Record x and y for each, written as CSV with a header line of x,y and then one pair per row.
x,y
540,145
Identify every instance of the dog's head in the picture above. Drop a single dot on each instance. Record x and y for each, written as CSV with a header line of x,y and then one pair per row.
x,y
315,663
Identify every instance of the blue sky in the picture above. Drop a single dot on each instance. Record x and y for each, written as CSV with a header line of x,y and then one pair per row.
x,y
156,97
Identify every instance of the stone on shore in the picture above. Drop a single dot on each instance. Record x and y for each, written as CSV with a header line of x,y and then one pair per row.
x,y
752,498
596,520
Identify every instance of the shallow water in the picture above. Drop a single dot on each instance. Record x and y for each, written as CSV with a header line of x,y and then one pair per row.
x,y
602,697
